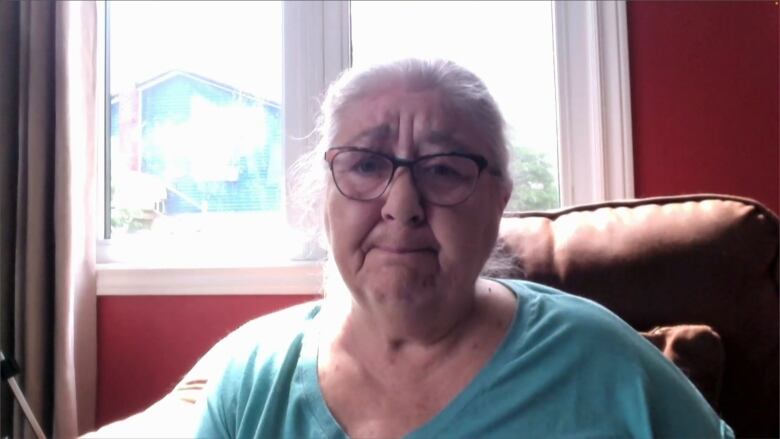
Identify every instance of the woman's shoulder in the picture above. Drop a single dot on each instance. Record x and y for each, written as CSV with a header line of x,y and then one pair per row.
x,y
254,348
258,347
269,333
541,305
591,347
248,363
261,331
578,331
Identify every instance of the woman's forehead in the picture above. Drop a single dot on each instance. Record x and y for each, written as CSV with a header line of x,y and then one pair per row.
x,y
385,135
377,120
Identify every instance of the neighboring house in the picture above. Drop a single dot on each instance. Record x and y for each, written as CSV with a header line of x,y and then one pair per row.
x,y
209,146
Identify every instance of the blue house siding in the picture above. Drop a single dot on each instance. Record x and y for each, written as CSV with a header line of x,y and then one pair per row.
x,y
253,161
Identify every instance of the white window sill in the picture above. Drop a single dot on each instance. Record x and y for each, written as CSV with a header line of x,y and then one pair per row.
x,y
266,264
293,278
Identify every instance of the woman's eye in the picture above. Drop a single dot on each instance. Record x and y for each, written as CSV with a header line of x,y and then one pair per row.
x,y
442,171
367,166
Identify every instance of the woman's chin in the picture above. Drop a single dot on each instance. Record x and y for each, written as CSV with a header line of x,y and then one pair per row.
x,y
420,258
400,284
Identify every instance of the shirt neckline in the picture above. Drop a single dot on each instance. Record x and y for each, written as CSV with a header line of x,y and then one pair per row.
x,y
309,379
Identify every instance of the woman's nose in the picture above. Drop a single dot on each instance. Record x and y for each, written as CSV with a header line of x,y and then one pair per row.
x,y
403,201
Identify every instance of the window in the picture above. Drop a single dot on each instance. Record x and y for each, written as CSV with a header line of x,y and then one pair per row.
x,y
246,76
195,131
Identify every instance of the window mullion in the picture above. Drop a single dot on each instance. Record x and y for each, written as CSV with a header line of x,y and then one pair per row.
x,y
594,121
337,44
316,50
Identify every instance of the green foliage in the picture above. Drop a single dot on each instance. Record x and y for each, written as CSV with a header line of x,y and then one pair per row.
x,y
536,183
127,219
121,218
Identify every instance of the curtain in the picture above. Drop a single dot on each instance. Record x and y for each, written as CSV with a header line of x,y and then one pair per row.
x,y
47,205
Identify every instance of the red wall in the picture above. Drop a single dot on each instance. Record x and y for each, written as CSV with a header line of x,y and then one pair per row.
x,y
704,91
147,343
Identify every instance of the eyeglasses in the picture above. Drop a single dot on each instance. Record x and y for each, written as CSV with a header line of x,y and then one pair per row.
x,y
442,179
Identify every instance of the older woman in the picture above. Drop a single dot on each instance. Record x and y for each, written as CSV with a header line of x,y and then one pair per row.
x,y
410,341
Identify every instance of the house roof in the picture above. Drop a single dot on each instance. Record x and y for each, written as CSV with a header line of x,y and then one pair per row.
x,y
162,77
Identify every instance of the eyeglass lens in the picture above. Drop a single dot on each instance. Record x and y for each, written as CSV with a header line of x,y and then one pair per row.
x,y
443,180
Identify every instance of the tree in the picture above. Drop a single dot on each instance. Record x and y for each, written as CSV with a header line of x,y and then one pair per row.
x,y
536,186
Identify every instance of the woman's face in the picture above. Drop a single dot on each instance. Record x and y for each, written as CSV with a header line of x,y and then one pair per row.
x,y
398,251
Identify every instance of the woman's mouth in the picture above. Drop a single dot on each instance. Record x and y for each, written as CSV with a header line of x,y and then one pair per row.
x,y
403,249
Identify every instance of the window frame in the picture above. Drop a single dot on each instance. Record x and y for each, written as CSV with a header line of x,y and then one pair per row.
x,y
594,124
594,102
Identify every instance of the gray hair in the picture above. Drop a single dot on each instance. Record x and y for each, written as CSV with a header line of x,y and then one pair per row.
x,y
461,88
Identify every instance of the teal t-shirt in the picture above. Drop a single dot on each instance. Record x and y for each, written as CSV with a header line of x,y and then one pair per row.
x,y
568,368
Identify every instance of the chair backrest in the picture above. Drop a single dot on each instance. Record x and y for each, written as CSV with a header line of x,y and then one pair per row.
x,y
701,259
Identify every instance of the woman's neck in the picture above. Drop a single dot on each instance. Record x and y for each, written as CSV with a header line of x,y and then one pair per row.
x,y
412,337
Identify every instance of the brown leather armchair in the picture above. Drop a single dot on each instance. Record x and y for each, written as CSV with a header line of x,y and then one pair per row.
x,y
659,262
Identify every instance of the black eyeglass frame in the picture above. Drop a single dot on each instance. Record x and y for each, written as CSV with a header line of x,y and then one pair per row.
x,y
397,162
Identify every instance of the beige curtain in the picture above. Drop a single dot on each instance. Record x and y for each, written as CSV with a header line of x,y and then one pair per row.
x,y
47,211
